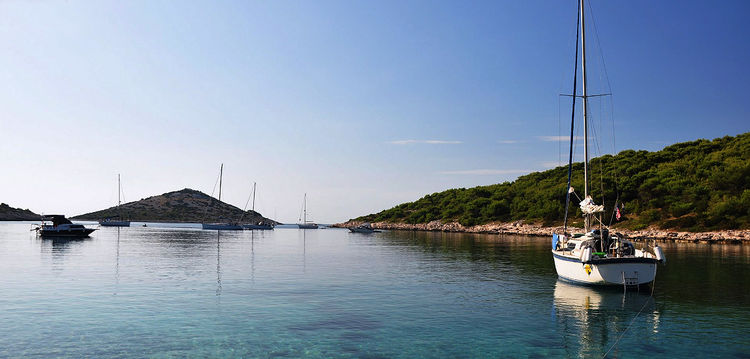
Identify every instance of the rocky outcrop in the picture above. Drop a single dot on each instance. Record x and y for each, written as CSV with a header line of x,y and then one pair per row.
x,y
530,229
8,213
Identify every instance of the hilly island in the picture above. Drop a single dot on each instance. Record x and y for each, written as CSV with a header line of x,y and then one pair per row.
x,y
697,186
8,213
186,205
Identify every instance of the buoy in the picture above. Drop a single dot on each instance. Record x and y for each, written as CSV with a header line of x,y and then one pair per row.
x,y
659,254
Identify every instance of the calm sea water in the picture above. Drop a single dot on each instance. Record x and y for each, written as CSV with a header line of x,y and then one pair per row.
x,y
183,292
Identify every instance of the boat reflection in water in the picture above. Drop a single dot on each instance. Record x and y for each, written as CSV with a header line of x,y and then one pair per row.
x,y
591,319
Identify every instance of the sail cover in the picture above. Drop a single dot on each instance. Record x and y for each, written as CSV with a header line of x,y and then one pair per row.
x,y
589,207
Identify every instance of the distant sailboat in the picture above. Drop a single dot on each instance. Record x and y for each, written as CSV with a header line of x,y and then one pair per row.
x,y
109,222
260,225
221,226
304,224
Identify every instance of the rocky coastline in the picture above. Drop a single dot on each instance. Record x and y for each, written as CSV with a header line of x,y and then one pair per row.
x,y
531,229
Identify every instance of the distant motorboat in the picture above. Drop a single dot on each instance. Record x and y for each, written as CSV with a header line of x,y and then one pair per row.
x,y
363,228
109,222
304,224
62,228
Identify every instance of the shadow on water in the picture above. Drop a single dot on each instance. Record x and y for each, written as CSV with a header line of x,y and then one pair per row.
x,y
717,274
529,255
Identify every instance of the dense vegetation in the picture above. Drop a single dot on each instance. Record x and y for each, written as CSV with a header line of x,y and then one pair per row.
x,y
699,185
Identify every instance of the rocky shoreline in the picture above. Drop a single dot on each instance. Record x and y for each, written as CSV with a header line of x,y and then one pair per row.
x,y
521,228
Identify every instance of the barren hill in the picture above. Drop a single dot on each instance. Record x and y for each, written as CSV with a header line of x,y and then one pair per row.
x,y
185,205
8,213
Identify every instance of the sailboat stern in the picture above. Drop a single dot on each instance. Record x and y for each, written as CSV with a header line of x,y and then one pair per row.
x,y
630,271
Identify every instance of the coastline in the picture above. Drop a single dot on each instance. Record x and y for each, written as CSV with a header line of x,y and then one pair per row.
x,y
521,228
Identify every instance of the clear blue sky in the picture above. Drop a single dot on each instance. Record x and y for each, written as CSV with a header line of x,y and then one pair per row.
x,y
361,104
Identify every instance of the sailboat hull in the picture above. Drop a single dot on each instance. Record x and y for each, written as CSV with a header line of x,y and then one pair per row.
x,y
114,223
307,226
611,271
222,226
257,226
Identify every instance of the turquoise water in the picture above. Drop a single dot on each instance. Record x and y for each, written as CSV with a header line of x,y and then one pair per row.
x,y
174,293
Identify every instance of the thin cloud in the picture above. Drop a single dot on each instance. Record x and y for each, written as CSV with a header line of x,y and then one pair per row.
x,y
483,172
560,138
429,142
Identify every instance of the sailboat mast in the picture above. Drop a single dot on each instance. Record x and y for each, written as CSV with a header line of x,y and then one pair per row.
x,y
253,196
585,114
118,190
221,174
304,209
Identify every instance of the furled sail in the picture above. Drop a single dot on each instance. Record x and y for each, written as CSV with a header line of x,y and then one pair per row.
x,y
589,207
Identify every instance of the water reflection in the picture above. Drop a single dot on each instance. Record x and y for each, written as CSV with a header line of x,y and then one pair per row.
x,y
117,262
218,263
252,257
591,319
59,248
304,250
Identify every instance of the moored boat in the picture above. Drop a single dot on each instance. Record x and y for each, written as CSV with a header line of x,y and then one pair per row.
x,y
363,228
596,256
221,226
62,227
260,225
110,222
224,226
304,224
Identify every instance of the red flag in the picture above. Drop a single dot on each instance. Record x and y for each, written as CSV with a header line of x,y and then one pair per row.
x,y
617,213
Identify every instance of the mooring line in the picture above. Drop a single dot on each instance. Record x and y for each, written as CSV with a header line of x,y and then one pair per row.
x,y
631,322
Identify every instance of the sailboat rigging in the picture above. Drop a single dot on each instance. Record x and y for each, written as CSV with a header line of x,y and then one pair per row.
x,y
303,223
221,226
259,225
596,256
109,222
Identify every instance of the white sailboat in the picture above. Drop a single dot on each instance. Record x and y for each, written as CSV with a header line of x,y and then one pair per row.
x,y
109,222
595,256
221,226
259,225
304,224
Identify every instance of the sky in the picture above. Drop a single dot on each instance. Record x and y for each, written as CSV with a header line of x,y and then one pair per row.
x,y
360,104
